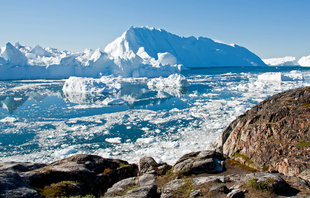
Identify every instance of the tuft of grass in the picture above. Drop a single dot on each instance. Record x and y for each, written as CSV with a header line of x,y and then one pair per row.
x,y
63,188
306,104
247,160
303,144
121,164
184,190
237,164
130,188
265,167
267,186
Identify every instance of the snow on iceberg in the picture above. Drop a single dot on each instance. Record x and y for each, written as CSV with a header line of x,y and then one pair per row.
x,y
91,85
278,76
284,61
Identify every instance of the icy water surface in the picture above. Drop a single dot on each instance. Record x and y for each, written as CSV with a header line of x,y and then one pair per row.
x,y
38,122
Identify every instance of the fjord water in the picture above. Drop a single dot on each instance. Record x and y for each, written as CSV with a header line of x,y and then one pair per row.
x,y
39,122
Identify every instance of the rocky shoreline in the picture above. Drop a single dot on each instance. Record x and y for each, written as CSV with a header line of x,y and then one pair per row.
x,y
263,153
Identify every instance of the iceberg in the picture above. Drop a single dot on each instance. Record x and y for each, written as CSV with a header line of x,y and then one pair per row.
x,y
278,76
174,85
284,61
103,85
187,51
304,61
138,52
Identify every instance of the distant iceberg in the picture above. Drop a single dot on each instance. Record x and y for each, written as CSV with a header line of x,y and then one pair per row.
x,y
285,61
304,61
278,76
139,52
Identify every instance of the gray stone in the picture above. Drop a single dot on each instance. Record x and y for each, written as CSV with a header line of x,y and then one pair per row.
x,y
219,189
236,193
173,185
120,187
146,164
146,179
143,192
200,162
195,193
197,181
12,185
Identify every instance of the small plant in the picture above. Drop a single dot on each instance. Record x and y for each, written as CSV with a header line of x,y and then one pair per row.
x,y
237,164
304,143
306,104
107,171
63,188
265,167
184,190
267,185
130,188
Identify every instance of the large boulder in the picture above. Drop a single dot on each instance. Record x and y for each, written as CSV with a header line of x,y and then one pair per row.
x,y
207,161
274,135
83,174
11,182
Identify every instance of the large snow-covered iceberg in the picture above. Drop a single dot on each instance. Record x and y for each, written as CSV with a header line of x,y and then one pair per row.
x,y
139,52
188,51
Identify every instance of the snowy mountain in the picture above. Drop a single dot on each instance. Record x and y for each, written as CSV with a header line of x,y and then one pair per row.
x,y
138,52
150,44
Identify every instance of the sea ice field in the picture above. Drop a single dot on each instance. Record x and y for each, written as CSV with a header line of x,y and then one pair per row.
x,y
127,118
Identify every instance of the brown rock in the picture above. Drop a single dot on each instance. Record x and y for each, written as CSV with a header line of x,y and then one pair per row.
x,y
275,134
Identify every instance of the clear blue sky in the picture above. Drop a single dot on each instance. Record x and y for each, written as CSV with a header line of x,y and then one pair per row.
x,y
269,28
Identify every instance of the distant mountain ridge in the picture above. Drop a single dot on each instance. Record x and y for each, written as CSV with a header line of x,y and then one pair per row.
x,y
138,52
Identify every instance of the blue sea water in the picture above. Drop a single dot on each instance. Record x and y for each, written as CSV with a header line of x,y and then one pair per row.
x,y
39,122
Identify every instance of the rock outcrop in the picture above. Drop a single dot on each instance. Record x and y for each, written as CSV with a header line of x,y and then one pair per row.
x,y
274,135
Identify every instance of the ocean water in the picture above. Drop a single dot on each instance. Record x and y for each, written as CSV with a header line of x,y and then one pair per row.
x,y
40,123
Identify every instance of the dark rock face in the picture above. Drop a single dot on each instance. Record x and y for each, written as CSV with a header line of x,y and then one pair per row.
x,y
12,185
200,162
11,182
93,174
275,134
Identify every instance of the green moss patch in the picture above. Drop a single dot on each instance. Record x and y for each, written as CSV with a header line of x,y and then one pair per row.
x,y
303,144
267,185
184,190
130,188
237,164
63,188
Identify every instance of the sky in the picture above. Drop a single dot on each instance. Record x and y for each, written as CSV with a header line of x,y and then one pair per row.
x,y
269,28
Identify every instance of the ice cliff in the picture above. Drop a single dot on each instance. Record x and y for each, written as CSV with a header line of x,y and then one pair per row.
x,y
138,52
